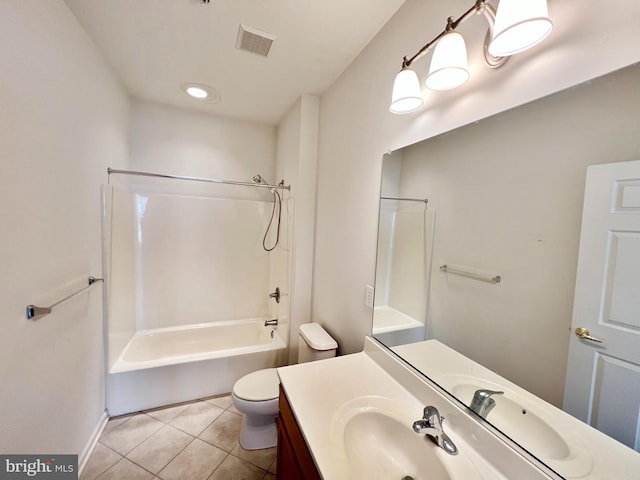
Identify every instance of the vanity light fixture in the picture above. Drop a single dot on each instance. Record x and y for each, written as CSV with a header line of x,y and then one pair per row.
x,y
516,26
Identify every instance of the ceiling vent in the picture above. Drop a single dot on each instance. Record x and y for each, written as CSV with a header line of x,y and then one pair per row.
x,y
254,41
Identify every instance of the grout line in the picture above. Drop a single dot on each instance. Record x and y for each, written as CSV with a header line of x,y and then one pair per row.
x,y
156,476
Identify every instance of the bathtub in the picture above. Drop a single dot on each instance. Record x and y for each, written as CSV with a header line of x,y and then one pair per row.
x,y
393,327
177,364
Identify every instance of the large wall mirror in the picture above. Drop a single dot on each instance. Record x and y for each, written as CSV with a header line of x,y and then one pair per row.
x,y
504,208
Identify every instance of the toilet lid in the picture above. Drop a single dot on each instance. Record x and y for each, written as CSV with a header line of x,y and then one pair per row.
x,y
258,386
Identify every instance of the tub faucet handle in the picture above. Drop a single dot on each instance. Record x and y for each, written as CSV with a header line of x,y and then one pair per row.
x,y
273,323
275,295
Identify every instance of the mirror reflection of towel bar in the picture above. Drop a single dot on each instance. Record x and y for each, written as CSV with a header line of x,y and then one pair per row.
x,y
423,200
34,312
465,273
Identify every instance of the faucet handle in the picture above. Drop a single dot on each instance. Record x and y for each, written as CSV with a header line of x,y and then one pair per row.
x,y
482,402
429,412
431,424
433,417
483,394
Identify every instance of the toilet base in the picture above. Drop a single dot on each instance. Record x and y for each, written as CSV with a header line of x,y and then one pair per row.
x,y
258,432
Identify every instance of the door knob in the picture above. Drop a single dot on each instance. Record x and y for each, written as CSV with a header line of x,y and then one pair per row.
x,y
584,334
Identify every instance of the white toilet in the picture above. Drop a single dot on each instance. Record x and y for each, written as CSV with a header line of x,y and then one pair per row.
x,y
256,394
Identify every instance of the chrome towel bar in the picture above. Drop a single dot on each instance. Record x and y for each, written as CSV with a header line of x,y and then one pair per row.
x,y
423,200
467,273
33,312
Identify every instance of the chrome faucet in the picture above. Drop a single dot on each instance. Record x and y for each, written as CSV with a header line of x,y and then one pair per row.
x,y
268,323
482,402
431,424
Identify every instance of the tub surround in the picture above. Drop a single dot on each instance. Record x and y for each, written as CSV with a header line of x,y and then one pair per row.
x,y
325,395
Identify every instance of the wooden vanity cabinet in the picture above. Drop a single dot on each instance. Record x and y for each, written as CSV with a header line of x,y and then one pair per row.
x,y
294,458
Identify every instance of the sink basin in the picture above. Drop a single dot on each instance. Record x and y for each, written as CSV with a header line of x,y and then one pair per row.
x,y
509,415
407,454
523,421
380,443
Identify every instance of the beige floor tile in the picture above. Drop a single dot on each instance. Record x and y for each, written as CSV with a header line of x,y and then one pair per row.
x,y
234,410
261,458
125,469
102,458
223,432
116,422
196,417
160,448
234,468
196,462
166,414
274,465
269,476
132,433
221,401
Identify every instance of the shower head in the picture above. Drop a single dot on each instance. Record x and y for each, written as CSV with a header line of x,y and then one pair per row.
x,y
258,179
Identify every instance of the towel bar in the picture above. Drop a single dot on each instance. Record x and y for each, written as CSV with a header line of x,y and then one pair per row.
x,y
466,273
34,311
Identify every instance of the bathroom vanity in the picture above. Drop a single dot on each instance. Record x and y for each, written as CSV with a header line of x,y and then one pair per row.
x,y
352,416
294,458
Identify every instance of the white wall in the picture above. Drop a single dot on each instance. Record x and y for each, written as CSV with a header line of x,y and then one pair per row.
x,y
63,118
356,128
297,157
174,141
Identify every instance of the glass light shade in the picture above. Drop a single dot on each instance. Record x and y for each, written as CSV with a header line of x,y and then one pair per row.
x,y
448,67
519,25
407,96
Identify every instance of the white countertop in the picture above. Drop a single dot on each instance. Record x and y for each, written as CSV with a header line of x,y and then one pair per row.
x,y
320,391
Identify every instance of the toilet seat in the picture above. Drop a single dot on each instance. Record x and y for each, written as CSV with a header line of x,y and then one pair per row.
x,y
258,386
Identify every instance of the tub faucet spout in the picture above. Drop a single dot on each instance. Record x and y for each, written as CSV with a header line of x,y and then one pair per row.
x,y
271,323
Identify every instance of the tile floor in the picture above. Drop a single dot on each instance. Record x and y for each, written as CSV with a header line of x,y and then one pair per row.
x,y
192,441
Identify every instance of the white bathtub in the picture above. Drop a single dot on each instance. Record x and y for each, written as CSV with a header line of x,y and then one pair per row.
x,y
170,365
393,327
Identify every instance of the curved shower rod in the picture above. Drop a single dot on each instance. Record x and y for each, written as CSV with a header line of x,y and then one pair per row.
x,y
197,179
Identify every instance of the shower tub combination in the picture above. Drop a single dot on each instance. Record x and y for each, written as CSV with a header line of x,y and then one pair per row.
x,y
187,283
177,364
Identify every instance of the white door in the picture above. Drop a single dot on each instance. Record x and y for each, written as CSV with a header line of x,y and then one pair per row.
x,y
603,379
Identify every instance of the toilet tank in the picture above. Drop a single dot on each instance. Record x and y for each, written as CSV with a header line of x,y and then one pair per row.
x,y
314,343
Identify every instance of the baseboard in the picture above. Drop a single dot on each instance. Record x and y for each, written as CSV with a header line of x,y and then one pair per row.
x,y
93,441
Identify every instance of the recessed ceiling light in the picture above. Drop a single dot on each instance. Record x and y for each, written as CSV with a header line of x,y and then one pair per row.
x,y
201,92
197,92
